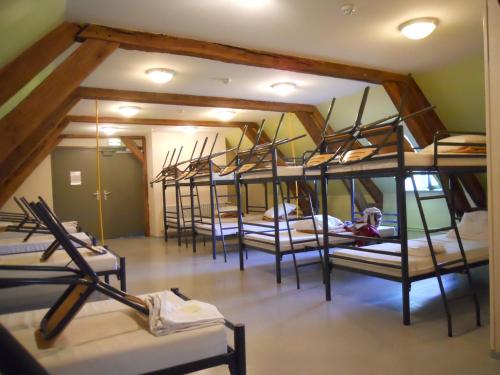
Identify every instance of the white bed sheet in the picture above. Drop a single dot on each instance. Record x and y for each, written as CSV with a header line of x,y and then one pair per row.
x,y
475,251
253,239
215,177
282,171
108,337
229,225
412,159
35,243
99,263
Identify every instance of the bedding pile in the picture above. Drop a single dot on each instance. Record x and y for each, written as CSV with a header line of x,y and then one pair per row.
x,y
168,315
459,148
289,209
473,226
308,226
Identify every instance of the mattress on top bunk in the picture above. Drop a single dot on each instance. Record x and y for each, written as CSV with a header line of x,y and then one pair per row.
x,y
282,171
98,262
301,239
215,177
229,225
34,243
412,159
107,337
476,251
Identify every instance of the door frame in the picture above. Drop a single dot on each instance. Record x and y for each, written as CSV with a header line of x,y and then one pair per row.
x,y
140,153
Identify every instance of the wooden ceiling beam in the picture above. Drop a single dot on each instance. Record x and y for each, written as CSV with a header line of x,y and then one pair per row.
x,y
188,100
160,122
32,112
23,152
132,146
424,127
9,187
17,73
149,42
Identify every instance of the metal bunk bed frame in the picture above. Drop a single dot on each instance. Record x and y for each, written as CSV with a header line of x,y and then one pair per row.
x,y
264,157
392,132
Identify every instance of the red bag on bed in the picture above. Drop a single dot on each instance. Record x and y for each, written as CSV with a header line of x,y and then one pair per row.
x,y
365,231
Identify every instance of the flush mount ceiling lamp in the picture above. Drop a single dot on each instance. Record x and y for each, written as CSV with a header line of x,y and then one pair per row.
x,y
108,130
129,110
225,115
284,88
252,2
160,75
418,28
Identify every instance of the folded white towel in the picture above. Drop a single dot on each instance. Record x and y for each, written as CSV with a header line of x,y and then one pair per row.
x,y
169,315
421,248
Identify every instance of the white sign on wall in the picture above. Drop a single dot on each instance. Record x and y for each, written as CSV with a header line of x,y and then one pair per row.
x,y
75,178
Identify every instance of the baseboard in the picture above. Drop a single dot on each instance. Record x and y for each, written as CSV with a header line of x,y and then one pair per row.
x,y
495,355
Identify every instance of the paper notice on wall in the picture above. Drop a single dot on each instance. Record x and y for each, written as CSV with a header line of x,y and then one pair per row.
x,y
75,178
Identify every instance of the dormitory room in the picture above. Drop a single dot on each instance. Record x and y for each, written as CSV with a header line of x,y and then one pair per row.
x,y
261,187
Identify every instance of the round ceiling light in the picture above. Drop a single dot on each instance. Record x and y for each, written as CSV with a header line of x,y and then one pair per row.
x,y
129,110
418,28
284,88
225,115
108,130
160,75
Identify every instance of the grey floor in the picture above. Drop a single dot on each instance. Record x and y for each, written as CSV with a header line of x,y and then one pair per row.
x,y
292,331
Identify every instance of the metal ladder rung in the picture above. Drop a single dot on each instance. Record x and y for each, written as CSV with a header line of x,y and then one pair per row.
x,y
435,230
429,197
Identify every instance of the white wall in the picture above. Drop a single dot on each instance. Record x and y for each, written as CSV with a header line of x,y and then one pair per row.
x,y
39,183
492,62
158,144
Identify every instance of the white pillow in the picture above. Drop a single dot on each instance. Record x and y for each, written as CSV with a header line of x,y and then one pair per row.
x,y
281,212
458,139
307,225
473,226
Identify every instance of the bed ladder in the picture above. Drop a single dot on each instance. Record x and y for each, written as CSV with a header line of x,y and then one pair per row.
x,y
182,209
440,268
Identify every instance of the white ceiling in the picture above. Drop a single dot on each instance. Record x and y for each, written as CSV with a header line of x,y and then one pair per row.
x,y
125,70
312,28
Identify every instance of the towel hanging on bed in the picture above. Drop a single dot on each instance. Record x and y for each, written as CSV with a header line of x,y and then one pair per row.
x,y
169,315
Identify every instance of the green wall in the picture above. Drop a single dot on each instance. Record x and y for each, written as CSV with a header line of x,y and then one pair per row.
x,y
458,92
22,23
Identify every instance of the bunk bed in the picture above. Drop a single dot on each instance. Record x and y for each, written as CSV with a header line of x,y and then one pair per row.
x,y
45,251
379,149
110,336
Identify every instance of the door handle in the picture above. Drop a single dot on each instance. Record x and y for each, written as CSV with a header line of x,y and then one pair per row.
x,y
106,193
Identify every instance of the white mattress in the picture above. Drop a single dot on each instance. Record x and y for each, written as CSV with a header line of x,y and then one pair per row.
x,y
412,159
215,177
108,337
34,243
475,251
253,239
99,263
229,225
70,226
282,171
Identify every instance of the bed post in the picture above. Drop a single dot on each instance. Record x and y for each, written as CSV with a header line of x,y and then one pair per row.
x,y
403,225
212,210
353,202
178,204
123,275
164,200
239,350
191,202
237,189
326,250
276,218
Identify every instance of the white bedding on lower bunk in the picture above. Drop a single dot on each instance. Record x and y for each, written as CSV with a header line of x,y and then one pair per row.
x,y
229,225
35,243
412,159
299,239
70,226
99,263
475,251
108,337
